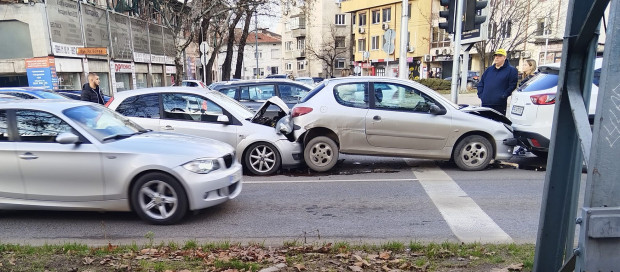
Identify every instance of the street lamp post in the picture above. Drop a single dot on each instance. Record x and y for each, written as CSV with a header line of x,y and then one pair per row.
x,y
256,40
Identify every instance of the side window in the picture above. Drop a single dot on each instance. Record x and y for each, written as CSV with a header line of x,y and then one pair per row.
x,y
4,127
230,92
190,107
144,106
22,95
292,93
257,92
38,126
352,95
401,98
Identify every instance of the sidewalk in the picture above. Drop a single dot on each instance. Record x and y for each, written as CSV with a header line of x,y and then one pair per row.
x,y
466,98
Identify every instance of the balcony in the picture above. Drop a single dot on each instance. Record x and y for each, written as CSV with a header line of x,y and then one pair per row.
x,y
299,54
299,32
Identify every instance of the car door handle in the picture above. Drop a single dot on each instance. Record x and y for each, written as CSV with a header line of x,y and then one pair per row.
x,y
168,127
28,156
377,118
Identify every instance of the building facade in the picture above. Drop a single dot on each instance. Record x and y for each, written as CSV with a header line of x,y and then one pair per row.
x,y
262,55
61,41
376,35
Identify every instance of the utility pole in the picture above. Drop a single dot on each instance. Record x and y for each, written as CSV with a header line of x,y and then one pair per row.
x,y
402,59
458,23
256,41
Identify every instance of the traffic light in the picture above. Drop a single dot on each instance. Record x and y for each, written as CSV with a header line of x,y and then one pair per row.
x,y
448,14
472,19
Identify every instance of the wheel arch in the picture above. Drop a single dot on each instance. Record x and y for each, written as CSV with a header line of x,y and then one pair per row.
x,y
320,131
244,151
475,132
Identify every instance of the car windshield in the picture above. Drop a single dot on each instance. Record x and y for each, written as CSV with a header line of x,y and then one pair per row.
x,y
232,106
103,123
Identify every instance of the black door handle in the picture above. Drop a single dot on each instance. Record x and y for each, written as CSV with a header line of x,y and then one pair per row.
x,y
377,118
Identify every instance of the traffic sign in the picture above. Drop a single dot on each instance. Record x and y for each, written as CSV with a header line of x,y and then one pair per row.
x,y
204,47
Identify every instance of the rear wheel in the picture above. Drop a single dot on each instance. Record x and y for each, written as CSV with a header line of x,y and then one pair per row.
x,y
321,154
473,153
262,159
159,199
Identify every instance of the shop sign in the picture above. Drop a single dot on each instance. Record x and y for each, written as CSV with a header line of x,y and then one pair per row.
x,y
41,72
171,69
366,65
123,67
92,51
442,58
158,59
141,57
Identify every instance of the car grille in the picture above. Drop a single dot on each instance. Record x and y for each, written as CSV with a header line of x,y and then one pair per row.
x,y
228,160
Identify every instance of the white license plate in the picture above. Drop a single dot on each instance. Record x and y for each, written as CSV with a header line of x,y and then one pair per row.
x,y
517,110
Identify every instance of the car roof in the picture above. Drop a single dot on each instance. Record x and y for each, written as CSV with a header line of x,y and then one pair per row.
x,y
25,89
598,63
258,81
168,89
52,105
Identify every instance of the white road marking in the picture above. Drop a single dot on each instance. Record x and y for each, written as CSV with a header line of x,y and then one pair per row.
x,y
324,181
466,219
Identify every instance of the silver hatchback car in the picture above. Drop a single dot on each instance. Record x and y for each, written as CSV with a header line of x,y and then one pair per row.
x,y
394,117
74,155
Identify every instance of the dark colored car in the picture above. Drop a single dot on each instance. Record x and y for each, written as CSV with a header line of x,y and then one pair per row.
x,y
253,93
77,94
31,93
473,78
281,76
317,79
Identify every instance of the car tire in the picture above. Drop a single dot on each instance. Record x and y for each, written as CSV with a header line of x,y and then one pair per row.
x,y
262,159
473,153
159,199
321,154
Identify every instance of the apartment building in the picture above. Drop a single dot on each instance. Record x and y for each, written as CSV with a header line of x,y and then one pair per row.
x,y
376,34
316,39
262,55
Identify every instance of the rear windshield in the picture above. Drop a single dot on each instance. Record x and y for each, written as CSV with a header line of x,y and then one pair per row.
x,y
541,81
314,91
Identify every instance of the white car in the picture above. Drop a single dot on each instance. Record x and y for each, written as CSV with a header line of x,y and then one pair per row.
x,y
532,107
193,83
260,145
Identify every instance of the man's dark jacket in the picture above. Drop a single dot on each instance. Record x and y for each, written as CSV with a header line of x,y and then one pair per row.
x,y
92,95
496,85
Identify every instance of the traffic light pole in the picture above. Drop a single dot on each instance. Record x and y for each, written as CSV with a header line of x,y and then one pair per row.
x,y
458,25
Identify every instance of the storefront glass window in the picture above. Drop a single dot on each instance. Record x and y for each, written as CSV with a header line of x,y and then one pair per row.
x,y
69,81
123,82
141,81
157,80
104,83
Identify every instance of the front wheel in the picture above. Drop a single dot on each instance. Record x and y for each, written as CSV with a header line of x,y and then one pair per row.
x,y
473,153
159,199
321,154
262,159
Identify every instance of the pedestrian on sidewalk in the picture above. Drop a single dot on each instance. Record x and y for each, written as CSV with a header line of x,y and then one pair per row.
x,y
529,70
497,83
91,91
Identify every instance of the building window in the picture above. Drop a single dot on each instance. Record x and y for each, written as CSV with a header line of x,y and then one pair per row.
x,y
340,42
440,38
543,27
288,46
374,43
301,65
298,23
362,19
380,71
340,19
361,45
506,28
353,19
387,14
258,55
492,30
301,43
275,54
340,63
409,11
376,17
288,66
69,81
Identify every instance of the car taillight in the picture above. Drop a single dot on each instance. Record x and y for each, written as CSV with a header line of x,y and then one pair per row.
x,y
543,99
534,143
299,111
109,102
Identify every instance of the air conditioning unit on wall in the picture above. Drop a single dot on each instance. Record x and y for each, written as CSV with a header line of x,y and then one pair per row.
x,y
361,30
385,26
427,58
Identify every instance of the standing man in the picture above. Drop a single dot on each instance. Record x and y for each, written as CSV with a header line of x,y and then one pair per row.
x,y
497,83
91,91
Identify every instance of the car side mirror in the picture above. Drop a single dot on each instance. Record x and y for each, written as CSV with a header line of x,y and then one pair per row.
x,y
67,138
223,119
436,110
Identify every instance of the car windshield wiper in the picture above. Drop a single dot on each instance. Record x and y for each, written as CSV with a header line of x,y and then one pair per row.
x,y
119,136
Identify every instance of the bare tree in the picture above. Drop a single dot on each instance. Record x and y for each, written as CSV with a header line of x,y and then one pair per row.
x,y
329,50
512,24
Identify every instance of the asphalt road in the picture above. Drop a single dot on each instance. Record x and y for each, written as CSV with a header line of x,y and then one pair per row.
x,y
363,199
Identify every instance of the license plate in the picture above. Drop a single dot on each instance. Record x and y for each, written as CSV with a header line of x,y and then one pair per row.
x,y
517,110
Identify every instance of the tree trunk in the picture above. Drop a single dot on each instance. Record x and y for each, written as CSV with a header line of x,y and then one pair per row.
x,y
242,42
230,43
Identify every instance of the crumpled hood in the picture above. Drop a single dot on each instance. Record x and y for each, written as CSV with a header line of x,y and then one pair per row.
x,y
172,144
486,113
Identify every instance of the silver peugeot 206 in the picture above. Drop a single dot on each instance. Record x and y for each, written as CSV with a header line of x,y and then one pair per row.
x,y
74,155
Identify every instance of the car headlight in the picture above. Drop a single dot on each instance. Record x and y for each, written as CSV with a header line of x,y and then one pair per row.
x,y
202,165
